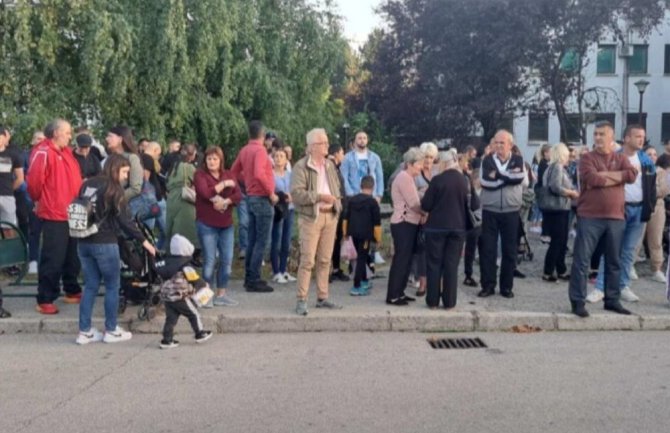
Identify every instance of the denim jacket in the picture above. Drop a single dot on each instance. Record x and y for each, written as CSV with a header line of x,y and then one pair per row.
x,y
349,169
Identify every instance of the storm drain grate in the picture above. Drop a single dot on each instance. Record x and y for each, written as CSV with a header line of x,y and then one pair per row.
x,y
457,343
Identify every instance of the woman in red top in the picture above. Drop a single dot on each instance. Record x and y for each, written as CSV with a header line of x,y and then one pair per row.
x,y
216,194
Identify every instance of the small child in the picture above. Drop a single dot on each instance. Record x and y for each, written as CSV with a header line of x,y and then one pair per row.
x,y
362,221
177,291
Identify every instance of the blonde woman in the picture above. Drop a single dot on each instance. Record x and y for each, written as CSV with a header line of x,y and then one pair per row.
x,y
557,180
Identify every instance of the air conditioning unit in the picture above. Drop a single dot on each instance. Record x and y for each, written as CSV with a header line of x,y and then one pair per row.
x,y
626,50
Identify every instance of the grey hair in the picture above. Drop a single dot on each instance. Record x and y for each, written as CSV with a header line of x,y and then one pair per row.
x,y
559,152
429,149
311,135
413,154
449,159
52,127
509,135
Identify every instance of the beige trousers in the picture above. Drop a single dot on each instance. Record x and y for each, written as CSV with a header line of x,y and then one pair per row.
x,y
317,238
654,236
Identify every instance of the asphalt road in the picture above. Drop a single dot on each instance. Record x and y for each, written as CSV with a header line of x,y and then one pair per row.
x,y
349,382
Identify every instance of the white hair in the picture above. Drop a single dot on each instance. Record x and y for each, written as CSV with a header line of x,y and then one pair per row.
x,y
311,135
429,149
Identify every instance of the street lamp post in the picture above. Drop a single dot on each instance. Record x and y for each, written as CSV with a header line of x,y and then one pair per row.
x,y
641,87
346,136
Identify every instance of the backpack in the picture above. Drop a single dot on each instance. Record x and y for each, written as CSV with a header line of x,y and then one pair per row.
x,y
81,216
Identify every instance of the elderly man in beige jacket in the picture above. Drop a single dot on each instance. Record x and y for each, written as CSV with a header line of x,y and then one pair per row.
x,y
315,189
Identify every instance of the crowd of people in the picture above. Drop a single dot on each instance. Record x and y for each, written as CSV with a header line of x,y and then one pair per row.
x,y
445,206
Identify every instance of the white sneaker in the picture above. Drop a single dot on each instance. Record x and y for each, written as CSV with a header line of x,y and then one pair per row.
x,y
659,277
535,230
595,296
92,336
379,260
290,278
32,267
628,295
279,278
117,335
633,273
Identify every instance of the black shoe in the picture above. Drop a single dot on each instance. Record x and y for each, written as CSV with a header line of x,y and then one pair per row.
x,y
485,293
519,274
259,286
549,278
579,309
408,298
617,308
564,277
469,281
339,276
508,295
397,302
203,336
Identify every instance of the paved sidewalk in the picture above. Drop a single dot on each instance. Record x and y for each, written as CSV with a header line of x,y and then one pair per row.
x,y
538,304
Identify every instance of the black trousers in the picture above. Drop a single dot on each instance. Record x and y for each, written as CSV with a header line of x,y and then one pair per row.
x,y
173,310
404,243
505,225
22,213
472,241
362,259
443,254
58,260
337,248
557,228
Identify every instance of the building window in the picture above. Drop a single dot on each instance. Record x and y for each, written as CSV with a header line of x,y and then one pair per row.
x,y
538,127
573,132
570,61
634,118
606,59
637,64
667,60
605,117
665,127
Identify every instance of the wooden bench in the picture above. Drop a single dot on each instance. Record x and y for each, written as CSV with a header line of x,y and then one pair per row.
x,y
13,249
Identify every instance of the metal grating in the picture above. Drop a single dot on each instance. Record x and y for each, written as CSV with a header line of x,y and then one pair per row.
x,y
457,343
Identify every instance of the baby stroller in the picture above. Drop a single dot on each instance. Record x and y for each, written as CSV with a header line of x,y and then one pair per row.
x,y
524,252
142,274
140,282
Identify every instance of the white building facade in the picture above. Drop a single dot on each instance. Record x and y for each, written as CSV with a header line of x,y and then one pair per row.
x,y
611,72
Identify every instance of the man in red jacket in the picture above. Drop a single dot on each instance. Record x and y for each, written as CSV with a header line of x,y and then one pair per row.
x,y
53,182
253,168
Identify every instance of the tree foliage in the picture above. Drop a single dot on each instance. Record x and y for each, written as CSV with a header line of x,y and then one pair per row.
x,y
193,69
452,68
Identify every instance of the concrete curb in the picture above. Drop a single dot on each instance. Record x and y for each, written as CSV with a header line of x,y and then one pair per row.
x,y
388,321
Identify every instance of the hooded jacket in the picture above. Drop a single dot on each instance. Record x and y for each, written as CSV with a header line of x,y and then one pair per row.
x,y
648,185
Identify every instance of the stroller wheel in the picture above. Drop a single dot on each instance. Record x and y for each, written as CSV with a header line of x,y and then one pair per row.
x,y
151,313
155,299
143,313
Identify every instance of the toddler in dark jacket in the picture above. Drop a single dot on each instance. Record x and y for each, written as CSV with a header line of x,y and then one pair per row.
x,y
177,292
362,222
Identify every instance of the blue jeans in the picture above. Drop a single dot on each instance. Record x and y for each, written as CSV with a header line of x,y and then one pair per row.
x,y
243,223
213,240
632,233
160,221
281,241
590,231
261,213
99,262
